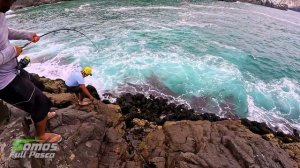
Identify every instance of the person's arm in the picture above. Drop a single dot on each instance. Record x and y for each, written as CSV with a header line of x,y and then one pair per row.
x,y
9,53
86,92
19,35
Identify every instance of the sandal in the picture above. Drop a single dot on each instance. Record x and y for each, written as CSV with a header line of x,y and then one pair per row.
x,y
51,138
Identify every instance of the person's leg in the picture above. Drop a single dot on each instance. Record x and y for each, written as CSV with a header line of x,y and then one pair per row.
x,y
42,135
79,94
80,97
22,94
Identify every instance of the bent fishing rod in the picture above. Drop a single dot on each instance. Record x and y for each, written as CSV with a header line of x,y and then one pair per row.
x,y
63,29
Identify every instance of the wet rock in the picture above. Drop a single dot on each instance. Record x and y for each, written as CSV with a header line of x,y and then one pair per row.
x,y
256,127
157,110
93,91
296,133
263,129
286,138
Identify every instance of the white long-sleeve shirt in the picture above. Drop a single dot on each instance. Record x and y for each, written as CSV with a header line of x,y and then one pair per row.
x,y
8,63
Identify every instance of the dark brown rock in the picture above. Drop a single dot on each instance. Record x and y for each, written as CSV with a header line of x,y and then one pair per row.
x,y
157,110
201,143
4,113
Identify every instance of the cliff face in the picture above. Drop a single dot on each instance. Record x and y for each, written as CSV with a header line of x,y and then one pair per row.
x,y
278,4
125,136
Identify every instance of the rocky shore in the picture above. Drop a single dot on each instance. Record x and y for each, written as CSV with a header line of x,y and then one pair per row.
x,y
278,4
146,132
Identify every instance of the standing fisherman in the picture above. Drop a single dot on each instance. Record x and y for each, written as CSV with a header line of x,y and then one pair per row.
x,y
17,89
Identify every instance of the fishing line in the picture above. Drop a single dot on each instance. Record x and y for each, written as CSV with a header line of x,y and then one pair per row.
x,y
64,29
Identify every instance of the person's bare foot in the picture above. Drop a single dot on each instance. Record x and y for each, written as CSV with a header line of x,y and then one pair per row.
x,y
83,103
50,138
51,115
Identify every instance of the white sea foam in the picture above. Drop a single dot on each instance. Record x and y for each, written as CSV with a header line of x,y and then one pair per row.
x,y
124,9
282,94
249,11
84,6
224,45
10,16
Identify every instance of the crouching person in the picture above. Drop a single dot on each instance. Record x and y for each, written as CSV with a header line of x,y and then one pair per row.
x,y
75,84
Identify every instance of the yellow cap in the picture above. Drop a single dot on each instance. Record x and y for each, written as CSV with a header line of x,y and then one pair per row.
x,y
87,70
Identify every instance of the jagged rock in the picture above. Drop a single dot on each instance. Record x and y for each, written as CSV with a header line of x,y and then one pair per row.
x,y
256,127
61,100
294,150
93,91
263,129
157,110
201,143
54,86
84,134
268,137
139,122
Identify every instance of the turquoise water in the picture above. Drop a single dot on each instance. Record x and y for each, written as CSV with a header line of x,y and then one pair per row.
x,y
213,56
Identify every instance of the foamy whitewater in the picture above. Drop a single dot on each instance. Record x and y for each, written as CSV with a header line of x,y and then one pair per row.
x,y
212,56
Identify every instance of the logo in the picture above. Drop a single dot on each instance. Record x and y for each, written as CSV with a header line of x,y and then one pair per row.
x,y
31,148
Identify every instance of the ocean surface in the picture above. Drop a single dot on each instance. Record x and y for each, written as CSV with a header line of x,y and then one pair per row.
x,y
231,59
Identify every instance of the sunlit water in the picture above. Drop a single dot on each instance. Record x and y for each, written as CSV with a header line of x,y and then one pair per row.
x,y
213,56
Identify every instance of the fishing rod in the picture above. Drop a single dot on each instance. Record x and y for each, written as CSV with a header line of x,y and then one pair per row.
x,y
25,61
64,29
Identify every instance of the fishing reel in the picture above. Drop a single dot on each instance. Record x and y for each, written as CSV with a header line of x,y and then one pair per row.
x,y
23,63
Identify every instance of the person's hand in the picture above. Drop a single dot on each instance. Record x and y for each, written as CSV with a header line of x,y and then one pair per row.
x,y
19,50
35,38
